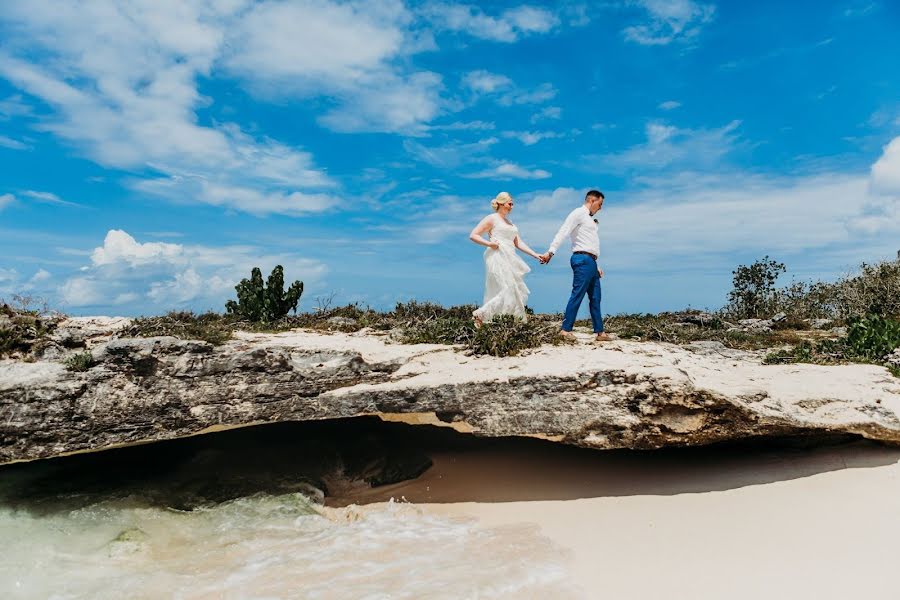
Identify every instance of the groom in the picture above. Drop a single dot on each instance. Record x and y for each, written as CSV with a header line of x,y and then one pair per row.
x,y
581,227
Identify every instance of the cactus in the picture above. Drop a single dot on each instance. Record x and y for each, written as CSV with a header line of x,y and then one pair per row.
x,y
264,304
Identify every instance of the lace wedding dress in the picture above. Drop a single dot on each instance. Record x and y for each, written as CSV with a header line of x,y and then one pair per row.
x,y
505,292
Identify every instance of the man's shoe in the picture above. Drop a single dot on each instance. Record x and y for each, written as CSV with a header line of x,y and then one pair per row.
x,y
566,334
603,337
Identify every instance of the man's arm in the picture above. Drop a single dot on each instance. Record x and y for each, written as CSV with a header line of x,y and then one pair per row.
x,y
565,230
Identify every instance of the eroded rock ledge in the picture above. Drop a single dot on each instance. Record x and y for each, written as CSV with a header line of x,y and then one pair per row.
x,y
619,395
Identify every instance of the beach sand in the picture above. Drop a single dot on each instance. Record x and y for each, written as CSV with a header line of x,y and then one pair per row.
x,y
739,522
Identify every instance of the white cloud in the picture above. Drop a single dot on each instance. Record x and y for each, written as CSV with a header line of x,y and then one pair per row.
x,y
48,198
530,138
8,142
40,276
130,71
13,106
485,82
508,170
548,112
156,276
670,20
186,189
506,92
669,105
450,155
6,200
465,126
668,146
352,52
886,171
509,26
860,10
541,93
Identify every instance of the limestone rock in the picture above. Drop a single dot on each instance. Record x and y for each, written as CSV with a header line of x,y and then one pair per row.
x,y
620,394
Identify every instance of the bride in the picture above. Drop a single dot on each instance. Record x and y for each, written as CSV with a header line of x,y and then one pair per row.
x,y
505,292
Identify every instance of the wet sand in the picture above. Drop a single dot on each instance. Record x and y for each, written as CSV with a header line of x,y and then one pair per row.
x,y
773,522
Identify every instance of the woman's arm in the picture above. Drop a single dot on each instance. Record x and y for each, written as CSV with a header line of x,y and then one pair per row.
x,y
521,245
482,228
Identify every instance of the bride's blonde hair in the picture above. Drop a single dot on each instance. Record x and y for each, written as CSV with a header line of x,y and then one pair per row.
x,y
501,199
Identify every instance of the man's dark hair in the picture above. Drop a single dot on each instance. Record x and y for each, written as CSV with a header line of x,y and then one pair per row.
x,y
594,194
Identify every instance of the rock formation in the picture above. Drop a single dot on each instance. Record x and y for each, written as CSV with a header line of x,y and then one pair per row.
x,y
618,395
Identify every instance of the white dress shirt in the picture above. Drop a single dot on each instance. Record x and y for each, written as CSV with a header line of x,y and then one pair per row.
x,y
581,228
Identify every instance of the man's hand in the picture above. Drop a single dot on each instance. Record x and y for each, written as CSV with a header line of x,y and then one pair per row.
x,y
600,272
545,257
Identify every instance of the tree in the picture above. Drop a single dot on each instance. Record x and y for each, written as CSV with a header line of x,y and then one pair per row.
x,y
753,294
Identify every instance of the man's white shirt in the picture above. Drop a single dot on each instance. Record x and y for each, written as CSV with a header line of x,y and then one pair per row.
x,y
581,229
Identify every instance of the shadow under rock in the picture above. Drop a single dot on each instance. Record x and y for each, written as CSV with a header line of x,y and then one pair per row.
x,y
519,469
363,460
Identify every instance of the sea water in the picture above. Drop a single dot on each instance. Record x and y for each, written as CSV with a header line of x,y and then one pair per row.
x,y
266,546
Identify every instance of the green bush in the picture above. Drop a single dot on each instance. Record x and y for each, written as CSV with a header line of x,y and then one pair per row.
x,y
873,337
80,362
753,295
267,303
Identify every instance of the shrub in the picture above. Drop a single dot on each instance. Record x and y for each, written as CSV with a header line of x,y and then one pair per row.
x,y
444,330
80,362
267,303
24,331
753,294
210,327
873,337
507,335
875,290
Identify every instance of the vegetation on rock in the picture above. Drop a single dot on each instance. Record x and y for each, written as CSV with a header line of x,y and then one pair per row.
x,y
80,362
267,303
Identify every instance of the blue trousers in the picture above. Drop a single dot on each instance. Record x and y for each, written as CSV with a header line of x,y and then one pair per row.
x,y
585,280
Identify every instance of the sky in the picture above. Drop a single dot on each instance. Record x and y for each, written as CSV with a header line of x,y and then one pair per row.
x,y
152,152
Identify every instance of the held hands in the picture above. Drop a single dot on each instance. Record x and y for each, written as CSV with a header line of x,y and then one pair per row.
x,y
545,258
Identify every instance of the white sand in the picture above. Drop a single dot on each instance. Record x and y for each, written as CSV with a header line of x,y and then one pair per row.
x,y
724,524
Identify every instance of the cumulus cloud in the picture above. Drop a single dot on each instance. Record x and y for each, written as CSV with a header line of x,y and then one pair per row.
x,y
507,170
669,21
509,26
137,90
886,171
127,275
353,52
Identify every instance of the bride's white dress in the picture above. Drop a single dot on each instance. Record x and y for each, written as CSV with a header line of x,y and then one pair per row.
x,y
505,292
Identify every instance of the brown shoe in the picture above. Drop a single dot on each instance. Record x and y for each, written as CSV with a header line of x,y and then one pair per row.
x,y
566,334
602,337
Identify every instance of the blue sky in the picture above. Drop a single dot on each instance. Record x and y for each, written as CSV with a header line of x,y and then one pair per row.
x,y
153,152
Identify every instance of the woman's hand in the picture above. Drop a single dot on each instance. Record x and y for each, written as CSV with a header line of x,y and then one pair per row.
x,y
493,245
